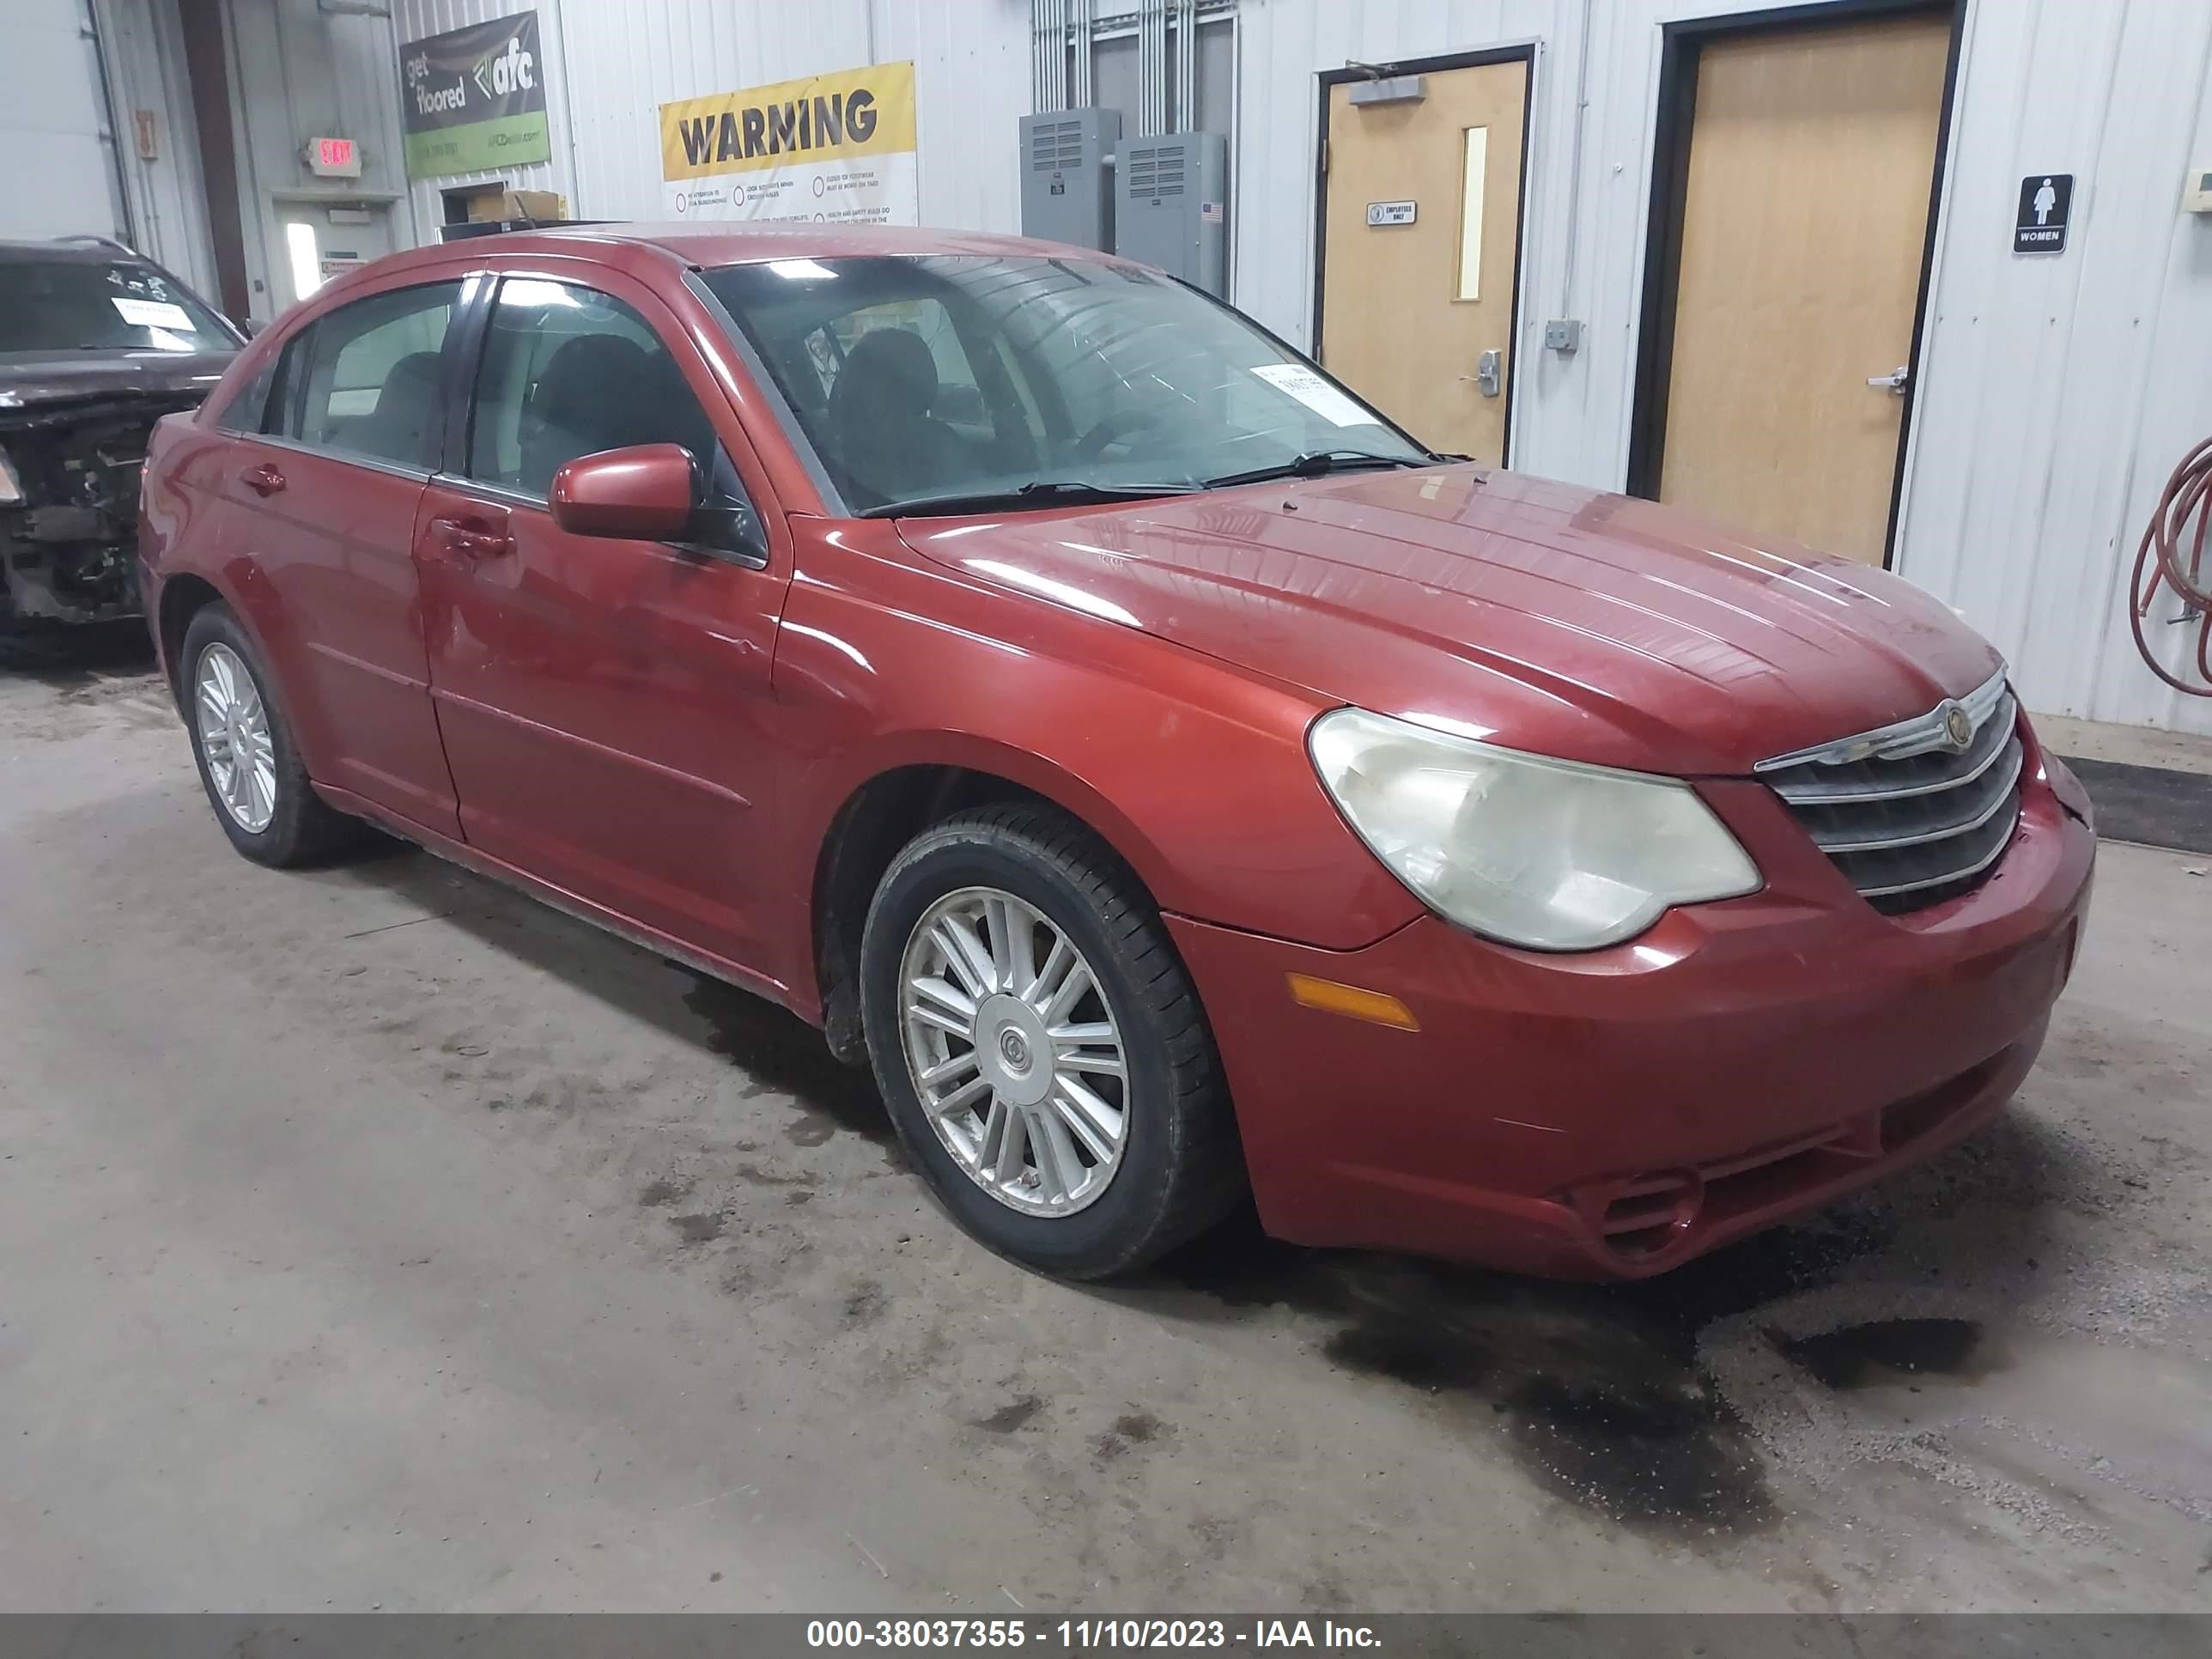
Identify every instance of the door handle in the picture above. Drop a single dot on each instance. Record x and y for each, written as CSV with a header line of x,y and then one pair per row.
x,y
1896,382
1489,373
456,536
262,479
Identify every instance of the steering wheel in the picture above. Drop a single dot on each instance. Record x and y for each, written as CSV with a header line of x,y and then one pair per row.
x,y
1119,424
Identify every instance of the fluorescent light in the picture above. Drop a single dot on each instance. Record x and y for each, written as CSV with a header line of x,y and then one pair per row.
x,y
307,259
802,270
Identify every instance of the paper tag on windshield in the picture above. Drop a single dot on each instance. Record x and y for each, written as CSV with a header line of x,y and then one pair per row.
x,y
1315,393
151,313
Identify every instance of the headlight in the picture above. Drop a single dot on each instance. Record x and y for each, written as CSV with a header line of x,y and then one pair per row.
x,y
1547,853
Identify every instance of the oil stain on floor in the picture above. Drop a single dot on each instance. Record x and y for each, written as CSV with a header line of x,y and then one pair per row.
x,y
1595,1391
1894,1350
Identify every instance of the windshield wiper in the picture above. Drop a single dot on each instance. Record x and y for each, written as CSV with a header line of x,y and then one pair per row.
x,y
1039,492
1314,462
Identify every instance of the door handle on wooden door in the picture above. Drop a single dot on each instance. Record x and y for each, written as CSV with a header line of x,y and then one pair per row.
x,y
1490,374
1896,382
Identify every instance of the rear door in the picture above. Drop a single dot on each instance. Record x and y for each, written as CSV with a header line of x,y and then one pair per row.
x,y
605,703
321,502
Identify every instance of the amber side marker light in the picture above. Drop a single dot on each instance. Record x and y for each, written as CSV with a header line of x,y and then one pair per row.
x,y
1373,1006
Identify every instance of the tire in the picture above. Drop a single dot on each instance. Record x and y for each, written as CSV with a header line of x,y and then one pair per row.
x,y
301,827
1175,1166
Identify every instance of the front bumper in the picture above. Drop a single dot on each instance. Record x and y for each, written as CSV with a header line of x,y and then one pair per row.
x,y
1612,1114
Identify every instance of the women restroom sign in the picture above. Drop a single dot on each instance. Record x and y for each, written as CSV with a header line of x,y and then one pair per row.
x,y
2046,202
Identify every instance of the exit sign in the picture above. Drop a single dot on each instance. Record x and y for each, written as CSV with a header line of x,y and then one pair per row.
x,y
334,158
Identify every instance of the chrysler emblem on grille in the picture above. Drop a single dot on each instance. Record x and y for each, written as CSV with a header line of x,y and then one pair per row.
x,y
1958,725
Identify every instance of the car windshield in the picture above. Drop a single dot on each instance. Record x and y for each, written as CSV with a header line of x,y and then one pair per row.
x,y
943,383
79,305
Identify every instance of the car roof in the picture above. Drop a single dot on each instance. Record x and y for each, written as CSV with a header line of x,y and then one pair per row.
x,y
69,251
709,245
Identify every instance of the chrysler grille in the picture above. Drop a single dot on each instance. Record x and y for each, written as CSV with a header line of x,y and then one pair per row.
x,y
1911,817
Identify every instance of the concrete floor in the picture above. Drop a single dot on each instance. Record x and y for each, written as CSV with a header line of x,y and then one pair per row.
x,y
374,1237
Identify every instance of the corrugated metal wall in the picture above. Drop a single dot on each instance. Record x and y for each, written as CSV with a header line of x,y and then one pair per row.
x,y
2055,393
629,56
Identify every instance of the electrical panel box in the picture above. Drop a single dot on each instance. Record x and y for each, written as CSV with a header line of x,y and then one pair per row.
x,y
1170,206
1067,187
2197,196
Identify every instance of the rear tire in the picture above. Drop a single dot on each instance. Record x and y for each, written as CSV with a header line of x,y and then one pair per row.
x,y
248,763
1124,1144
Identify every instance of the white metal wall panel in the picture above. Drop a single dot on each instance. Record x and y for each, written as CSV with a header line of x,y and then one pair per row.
x,y
971,87
614,62
2056,393
59,178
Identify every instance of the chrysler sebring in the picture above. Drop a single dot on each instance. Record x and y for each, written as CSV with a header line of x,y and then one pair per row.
x,y
1172,778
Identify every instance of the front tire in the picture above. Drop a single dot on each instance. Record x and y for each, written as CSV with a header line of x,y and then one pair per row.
x,y
248,763
1041,1046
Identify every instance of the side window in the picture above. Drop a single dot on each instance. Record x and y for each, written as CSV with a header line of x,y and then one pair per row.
x,y
569,371
243,412
364,379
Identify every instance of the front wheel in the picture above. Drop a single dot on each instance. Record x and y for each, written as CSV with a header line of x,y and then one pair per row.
x,y
1041,1046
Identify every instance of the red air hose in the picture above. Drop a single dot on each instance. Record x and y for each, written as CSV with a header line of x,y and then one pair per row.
x,y
2188,494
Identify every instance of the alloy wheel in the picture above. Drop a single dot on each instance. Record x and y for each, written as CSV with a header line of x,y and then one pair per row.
x,y
1014,1051
235,738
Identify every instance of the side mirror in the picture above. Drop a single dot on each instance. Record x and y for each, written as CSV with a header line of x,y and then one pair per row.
x,y
646,493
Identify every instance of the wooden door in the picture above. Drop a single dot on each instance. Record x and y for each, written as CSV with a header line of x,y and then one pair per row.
x,y
1408,308
1804,231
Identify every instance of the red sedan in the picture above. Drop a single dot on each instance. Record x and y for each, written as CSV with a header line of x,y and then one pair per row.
x,y
1168,773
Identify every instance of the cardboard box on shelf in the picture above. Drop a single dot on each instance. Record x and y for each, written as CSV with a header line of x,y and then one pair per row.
x,y
496,204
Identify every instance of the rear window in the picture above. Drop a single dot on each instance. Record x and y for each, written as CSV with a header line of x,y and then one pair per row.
x,y
80,305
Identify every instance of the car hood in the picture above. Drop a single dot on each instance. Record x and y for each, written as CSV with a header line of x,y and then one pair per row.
x,y
31,379
1540,615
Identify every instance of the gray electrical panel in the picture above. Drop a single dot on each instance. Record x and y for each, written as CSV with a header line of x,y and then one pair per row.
x,y
1170,207
1067,189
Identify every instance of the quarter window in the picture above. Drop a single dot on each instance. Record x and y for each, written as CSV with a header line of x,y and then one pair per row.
x,y
245,410
569,371
364,379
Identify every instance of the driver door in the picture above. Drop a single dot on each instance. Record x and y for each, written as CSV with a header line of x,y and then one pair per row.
x,y
605,703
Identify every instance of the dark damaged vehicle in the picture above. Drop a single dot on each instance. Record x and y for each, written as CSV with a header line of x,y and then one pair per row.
x,y
96,345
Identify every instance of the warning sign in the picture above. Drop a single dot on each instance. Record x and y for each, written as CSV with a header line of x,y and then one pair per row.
x,y
834,149
2046,201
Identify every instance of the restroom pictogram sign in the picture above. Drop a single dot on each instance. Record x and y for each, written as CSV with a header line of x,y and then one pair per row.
x,y
2046,202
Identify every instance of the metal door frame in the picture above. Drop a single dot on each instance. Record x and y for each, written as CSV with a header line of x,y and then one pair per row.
x,y
1524,54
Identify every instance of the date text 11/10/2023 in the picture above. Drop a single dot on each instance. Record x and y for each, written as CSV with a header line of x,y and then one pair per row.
x,y
1086,1633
